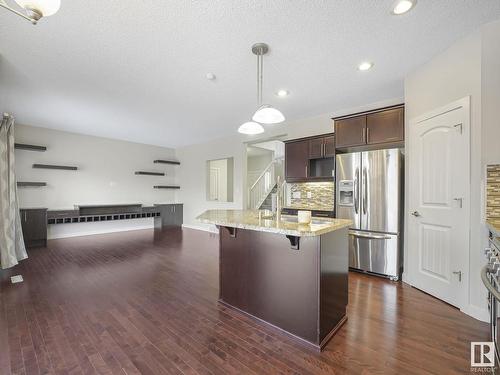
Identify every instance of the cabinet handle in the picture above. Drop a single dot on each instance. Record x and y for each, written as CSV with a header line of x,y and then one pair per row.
x,y
307,174
363,135
367,135
25,217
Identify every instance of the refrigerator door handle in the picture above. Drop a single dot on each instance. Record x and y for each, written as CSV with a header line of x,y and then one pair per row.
x,y
365,190
356,191
370,236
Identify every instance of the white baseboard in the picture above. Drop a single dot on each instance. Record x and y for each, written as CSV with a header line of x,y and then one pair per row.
x,y
204,228
477,313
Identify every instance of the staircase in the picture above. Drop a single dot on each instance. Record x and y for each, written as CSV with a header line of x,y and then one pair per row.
x,y
260,193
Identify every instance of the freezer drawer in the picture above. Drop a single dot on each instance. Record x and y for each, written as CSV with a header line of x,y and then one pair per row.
x,y
375,252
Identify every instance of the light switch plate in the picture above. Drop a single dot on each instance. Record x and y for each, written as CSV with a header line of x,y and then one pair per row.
x,y
16,279
296,195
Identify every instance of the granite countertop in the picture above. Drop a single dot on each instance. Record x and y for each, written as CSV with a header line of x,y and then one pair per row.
x,y
249,219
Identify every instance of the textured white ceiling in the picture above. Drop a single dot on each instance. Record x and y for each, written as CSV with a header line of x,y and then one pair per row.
x,y
135,70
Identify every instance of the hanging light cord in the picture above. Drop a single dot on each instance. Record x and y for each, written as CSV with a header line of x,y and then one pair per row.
x,y
260,72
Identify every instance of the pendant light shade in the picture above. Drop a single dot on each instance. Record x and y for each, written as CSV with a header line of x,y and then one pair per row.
x,y
42,8
251,128
268,115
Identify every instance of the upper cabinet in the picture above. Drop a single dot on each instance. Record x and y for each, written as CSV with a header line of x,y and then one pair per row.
x,y
386,126
310,158
296,160
350,132
322,147
374,128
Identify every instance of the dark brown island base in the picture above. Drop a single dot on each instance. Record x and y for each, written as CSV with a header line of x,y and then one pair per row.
x,y
289,275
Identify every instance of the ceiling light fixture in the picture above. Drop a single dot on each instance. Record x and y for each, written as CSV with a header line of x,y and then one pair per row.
x,y
364,66
403,6
265,114
283,93
251,128
35,9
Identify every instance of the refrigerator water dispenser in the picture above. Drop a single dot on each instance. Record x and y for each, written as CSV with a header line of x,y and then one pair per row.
x,y
346,193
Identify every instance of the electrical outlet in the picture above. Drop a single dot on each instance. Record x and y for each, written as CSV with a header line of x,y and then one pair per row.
x,y
296,195
309,194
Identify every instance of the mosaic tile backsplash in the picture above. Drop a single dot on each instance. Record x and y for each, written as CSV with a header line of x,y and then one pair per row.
x,y
493,192
322,196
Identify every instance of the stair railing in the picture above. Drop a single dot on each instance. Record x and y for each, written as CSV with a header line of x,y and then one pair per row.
x,y
265,183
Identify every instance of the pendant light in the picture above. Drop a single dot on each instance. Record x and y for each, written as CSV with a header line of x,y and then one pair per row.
x,y
251,128
35,9
265,114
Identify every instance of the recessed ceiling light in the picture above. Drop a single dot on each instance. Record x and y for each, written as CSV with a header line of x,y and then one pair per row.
x,y
403,6
210,76
365,66
283,93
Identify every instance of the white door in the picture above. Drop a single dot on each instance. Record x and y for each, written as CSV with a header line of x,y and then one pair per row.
x,y
438,217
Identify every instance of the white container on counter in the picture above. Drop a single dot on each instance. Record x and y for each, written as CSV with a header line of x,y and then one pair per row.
x,y
304,217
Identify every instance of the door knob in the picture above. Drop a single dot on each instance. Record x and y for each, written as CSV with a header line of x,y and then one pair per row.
x,y
415,213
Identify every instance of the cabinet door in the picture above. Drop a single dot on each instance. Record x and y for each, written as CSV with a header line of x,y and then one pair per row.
x,y
296,160
386,126
316,148
179,215
329,147
350,132
34,224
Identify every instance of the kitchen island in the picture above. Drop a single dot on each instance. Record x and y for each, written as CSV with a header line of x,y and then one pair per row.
x,y
289,275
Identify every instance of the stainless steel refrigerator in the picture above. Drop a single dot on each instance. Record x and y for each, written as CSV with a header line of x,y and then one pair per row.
x,y
369,192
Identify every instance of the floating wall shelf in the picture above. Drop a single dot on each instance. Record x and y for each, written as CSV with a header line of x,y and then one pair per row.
x,y
31,184
167,162
23,146
142,173
46,166
166,187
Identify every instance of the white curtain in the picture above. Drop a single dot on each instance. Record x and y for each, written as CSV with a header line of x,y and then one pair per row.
x,y
12,248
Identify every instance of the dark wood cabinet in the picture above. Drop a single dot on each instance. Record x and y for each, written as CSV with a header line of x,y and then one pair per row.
x,y
386,126
171,214
329,146
322,147
316,148
34,224
350,132
310,159
296,160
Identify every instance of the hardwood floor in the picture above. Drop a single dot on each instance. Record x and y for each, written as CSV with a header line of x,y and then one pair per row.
x,y
145,303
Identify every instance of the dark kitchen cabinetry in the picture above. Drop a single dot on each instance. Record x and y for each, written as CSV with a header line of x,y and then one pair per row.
x,y
34,224
310,159
296,160
171,214
322,147
350,132
385,126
